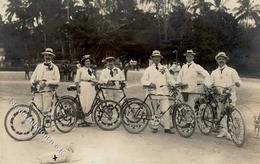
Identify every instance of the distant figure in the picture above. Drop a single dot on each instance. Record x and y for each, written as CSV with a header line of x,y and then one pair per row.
x,y
27,71
126,67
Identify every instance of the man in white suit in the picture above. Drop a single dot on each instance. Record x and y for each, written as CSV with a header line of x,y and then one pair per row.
x,y
189,74
225,76
111,75
157,76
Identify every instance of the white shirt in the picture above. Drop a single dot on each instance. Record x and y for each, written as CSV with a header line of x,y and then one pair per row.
x,y
105,76
161,78
228,77
82,74
42,72
190,75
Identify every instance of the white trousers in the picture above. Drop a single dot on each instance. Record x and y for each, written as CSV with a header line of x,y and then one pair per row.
x,y
43,101
164,105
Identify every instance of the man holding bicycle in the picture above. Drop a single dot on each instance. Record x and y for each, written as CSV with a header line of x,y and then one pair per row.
x,y
189,74
111,76
156,76
45,74
225,76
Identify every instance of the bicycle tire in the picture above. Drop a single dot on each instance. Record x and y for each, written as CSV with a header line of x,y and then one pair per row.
x,y
65,115
106,117
184,120
130,120
33,120
77,105
232,131
205,118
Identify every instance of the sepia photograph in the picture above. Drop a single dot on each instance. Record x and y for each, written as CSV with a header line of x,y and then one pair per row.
x,y
129,81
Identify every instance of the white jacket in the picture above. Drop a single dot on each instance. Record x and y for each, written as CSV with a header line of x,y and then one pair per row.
x,y
190,75
105,76
42,72
227,78
161,78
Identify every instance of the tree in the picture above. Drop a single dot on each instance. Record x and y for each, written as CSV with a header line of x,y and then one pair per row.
x,y
247,12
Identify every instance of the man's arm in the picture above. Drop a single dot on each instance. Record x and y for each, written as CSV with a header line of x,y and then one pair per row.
x,y
204,73
34,74
236,78
145,80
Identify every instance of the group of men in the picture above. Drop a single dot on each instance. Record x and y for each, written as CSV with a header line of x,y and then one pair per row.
x,y
156,76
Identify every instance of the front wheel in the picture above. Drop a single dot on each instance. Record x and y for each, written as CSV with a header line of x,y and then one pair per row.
x,y
22,122
135,116
184,120
205,118
65,116
236,127
107,115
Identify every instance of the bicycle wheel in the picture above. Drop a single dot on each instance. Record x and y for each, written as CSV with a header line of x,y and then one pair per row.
x,y
184,120
205,118
22,122
77,105
107,115
135,116
65,116
236,127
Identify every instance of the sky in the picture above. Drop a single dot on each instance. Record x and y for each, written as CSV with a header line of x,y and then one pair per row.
x,y
229,3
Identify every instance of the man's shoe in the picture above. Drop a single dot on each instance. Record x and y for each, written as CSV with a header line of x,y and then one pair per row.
x,y
168,131
154,130
228,137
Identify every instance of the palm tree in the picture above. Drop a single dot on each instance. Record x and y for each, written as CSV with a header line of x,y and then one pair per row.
x,y
219,5
247,11
200,7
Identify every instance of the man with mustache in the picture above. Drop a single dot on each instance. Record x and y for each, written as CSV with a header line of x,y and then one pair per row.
x,y
225,76
45,74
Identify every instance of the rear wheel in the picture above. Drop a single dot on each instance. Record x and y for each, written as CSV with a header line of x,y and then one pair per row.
x,y
22,122
135,116
107,115
184,120
65,116
205,118
236,127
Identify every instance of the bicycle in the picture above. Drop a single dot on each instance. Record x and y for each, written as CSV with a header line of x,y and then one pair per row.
x,y
137,114
23,122
106,113
76,101
208,119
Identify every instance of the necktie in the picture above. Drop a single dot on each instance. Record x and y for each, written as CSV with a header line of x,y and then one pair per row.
x,y
189,64
89,72
111,73
221,69
47,64
156,66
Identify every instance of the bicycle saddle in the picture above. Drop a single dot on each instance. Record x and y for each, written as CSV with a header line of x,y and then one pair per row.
x,y
72,88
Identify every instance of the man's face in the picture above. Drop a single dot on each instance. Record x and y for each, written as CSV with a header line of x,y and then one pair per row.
x,y
156,59
189,58
47,58
110,63
221,61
